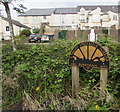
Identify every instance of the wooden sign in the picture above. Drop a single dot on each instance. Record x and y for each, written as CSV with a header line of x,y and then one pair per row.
x,y
89,55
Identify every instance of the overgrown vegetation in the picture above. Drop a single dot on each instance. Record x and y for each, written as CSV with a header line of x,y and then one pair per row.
x,y
40,77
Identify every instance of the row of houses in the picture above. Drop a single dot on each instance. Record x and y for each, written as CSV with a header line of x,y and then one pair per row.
x,y
82,17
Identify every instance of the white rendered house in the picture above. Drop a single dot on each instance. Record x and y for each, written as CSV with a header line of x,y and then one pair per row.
x,y
83,17
4,28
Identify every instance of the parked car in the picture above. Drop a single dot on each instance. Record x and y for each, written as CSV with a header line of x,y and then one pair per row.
x,y
2,39
51,36
45,38
34,38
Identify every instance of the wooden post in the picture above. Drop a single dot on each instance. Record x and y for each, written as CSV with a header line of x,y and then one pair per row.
x,y
103,78
75,80
103,81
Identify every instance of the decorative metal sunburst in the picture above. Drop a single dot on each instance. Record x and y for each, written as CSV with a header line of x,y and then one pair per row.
x,y
89,55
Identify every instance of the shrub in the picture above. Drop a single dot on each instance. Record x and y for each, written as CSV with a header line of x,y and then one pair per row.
x,y
26,32
23,36
105,31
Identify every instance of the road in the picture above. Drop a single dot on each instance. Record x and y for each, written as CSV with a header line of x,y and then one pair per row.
x,y
30,43
36,43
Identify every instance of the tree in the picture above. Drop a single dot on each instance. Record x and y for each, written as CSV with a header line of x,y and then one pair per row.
x,y
25,32
7,9
36,30
20,9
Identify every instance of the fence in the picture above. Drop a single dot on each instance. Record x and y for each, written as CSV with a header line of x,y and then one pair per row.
x,y
83,34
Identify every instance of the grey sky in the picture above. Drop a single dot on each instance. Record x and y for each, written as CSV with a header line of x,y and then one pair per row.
x,y
65,3
59,3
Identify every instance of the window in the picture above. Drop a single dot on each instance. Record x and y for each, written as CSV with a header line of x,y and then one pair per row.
x,y
7,28
115,17
62,21
96,18
44,17
82,14
25,20
35,20
73,19
82,20
73,22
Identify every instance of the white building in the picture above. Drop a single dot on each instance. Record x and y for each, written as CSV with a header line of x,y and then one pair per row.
x,y
64,18
34,17
4,28
83,17
98,16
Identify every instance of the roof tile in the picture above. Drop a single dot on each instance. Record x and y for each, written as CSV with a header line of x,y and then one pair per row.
x,y
38,12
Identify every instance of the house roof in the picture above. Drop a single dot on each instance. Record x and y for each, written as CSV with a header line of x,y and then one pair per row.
x,y
17,23
104,8
49,11
65,11
38,12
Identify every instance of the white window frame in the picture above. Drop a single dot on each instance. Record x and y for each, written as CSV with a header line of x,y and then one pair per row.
x,y
115,18
44,17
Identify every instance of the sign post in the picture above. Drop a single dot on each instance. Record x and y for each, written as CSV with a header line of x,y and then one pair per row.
x,y
88,55
75,80
103,81
103,78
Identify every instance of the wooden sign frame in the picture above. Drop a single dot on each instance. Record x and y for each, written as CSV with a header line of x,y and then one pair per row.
x,y
89,55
